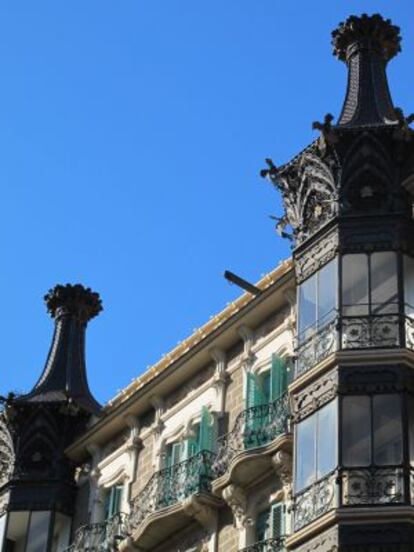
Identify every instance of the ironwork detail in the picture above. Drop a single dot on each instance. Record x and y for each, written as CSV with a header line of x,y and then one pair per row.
x,y
268,545
409,332
254,427
6,451
100,537
171,485
317,347
323,251
373,486
364,332
315,501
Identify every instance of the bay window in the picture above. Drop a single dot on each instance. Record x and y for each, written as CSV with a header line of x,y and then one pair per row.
x,y
369,284
409,285
372,430
317,300
316,446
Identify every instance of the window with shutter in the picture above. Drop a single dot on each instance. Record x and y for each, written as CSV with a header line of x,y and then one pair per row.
x,y
113,501
193,442
208,431
279,377
277,521
263,526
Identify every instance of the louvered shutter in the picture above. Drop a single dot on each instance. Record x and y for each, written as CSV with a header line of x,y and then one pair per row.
x,y
279,377
193,443
263,526
113,501
277,521
254,393
208,431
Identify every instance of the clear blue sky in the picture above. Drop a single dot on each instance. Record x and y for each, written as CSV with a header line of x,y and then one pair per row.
x,y
132,134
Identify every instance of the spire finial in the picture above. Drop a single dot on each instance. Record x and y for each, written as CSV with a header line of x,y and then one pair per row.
x,y
366,43
74,300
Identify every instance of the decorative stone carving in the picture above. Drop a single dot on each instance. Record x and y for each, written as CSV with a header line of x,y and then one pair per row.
x,y
236,499
325,542
318,255
282,463
315,395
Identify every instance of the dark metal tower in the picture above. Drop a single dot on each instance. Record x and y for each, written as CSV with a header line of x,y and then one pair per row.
x,y
39,490
349,205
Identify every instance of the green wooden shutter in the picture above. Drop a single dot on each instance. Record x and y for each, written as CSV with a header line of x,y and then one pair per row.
x,y
254,392
277,521
113,501
278,378
263,526
193,443
208,431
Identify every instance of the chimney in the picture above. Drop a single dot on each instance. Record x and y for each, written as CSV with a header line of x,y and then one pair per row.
x,y
366,44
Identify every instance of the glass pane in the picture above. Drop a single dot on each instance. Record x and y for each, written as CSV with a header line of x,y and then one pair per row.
x,y
327,284
61,533
409,285
38,532
327,438
305,453
307,306
355,285
411,427
263,526
387,429
356,431
3,519
384,292
17,530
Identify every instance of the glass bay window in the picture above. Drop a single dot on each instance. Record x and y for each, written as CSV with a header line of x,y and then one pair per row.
x,y
317,298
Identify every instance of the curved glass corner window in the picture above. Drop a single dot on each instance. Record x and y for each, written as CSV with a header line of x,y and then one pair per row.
x,y
369,284
316,446
409,285
317,300
372,430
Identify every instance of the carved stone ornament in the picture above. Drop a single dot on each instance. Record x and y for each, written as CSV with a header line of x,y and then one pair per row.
x,y
315,395
236,499
325,542
7,458
313,259
282,463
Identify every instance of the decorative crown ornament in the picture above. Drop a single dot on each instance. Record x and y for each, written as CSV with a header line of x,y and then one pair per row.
x,y
372,30
75,300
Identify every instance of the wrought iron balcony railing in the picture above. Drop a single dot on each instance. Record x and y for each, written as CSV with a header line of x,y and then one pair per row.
x,y
374,485
315,500
268,545
254,427
100,537
367,331
172,485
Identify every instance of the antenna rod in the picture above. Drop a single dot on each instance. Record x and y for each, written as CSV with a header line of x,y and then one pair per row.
x,y
247,286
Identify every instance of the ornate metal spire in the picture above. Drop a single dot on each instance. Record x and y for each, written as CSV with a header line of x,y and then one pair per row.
x,y
64,376
366,44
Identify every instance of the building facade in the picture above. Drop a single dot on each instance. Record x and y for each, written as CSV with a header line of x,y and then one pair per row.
x,y
286,422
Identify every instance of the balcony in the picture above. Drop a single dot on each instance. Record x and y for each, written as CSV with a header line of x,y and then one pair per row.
x,y
100,537
245,452
357,332
169,500
269,545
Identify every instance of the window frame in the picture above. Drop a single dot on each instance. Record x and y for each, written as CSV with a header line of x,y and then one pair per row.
x,y
370,306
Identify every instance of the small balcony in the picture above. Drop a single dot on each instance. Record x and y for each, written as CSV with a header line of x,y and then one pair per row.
x,y
245,452
167,502
269,545
100,537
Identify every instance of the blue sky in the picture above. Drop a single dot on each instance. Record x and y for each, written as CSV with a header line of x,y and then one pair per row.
x,y
132,134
